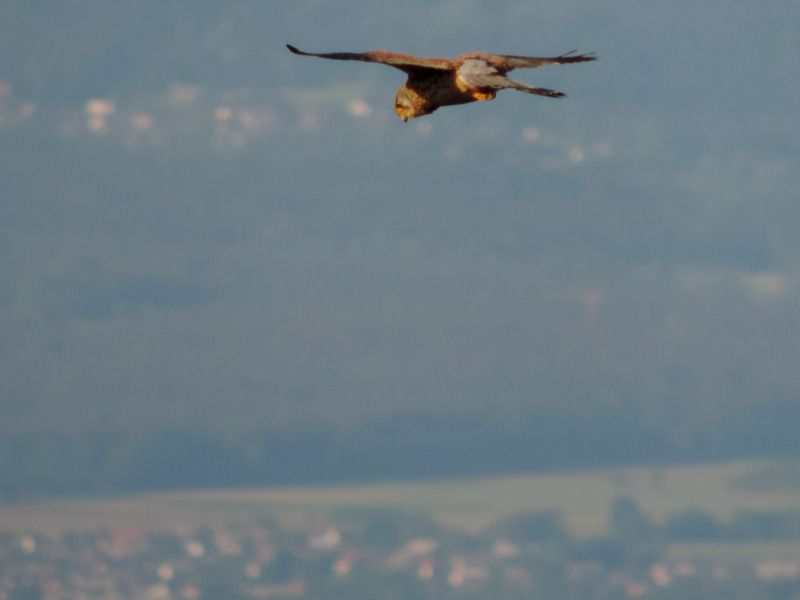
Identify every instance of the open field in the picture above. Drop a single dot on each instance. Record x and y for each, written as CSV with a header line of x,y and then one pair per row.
x,y
584,498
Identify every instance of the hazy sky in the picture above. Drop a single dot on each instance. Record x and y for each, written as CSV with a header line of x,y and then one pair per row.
x,y
245,237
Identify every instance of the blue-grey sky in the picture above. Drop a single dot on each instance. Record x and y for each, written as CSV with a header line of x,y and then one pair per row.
x,y
200,228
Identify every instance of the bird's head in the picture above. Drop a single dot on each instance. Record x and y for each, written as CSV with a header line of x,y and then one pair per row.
x,y
408,104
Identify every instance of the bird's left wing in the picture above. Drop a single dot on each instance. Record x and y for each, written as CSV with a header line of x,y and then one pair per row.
x,y
404,62
509,63
481,74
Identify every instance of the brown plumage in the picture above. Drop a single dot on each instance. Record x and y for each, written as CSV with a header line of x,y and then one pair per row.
x,y
435,82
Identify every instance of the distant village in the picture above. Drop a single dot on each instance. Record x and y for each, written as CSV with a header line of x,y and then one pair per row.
x,y
380,555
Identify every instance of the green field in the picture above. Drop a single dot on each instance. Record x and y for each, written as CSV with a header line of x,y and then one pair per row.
x,y
584,499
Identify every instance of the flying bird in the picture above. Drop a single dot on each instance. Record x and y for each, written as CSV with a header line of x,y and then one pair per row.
x,y
435,82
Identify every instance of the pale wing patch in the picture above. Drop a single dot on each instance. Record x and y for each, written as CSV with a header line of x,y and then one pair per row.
x,y
481,79
478,73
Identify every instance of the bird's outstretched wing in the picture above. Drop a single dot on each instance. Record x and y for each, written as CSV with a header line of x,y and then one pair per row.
x,y
531,62
404,62
488,71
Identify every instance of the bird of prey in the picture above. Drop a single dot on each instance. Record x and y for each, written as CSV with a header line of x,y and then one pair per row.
x,y
435,82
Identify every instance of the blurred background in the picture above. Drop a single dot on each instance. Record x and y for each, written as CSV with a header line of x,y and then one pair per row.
x,y
222,264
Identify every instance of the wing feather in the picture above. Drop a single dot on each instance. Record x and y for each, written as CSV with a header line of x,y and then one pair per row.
x,y
531,62
404,62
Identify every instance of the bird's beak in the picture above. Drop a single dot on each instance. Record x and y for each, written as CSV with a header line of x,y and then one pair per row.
x,y
405,119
